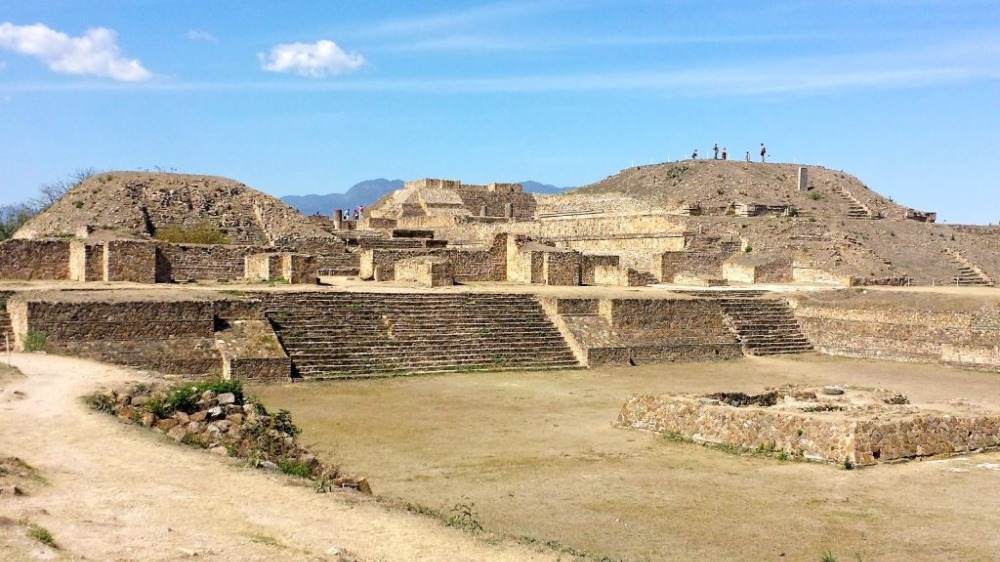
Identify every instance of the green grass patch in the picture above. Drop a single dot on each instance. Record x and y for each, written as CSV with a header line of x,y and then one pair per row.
x,y
295,468
35,340
40,534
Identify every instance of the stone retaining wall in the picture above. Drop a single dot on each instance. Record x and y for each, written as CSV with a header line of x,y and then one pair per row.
x,y
34,260
910,330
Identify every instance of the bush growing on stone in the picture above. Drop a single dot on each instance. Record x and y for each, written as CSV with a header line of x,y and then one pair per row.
x,y
216,415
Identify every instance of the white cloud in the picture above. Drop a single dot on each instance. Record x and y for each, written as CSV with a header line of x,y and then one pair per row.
x,y
310,59
95,52
201,35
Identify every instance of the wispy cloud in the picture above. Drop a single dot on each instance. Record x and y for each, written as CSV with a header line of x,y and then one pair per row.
x,y
937,64
452,19
94,53
473,42
201,35
315,60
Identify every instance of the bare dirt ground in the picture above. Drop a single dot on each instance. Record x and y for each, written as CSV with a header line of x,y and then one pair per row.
x,y
119,492
537,455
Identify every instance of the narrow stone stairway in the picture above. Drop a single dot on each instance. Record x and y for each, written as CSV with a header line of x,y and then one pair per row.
x,y
967,274
765,326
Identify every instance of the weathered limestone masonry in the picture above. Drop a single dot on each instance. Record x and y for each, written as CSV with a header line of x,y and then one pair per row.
x,y
34,260
167,335
747,268
702,257
436,203
189,262
963,331
129,260
194,335
852,426
292,268
470,265
86,261
428,271
638,331
338,335
250,350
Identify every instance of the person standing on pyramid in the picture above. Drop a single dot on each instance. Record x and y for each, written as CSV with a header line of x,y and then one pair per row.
x,y
763,152
694,155
715,151
725,153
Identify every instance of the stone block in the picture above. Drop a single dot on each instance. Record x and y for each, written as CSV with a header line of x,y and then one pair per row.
x,y
264,267
299,268
428,271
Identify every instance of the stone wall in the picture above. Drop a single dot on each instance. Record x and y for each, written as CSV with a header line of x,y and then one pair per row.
x,y
561,268
757,269
86,261
903,327
168,336
34,260
131,261
250,350
638,331
184,262
470,265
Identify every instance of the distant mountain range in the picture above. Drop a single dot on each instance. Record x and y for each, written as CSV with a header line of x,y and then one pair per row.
x,y
367,192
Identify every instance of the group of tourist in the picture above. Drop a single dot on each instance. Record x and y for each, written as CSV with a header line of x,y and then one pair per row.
x,y
724,153
354,214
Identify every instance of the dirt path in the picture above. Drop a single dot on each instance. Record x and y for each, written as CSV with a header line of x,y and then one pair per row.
x,y
119,492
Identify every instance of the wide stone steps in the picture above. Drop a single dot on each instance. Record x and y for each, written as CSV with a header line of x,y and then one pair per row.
x,y
338,335
400,333
469,368
324,350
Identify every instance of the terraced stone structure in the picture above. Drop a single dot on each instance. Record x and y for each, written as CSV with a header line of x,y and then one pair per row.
x,y
848,426
337,335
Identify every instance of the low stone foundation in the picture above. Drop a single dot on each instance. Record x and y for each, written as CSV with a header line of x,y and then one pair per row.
x,y
849,426
428,271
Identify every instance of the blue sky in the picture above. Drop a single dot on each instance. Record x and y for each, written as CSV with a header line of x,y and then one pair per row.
x,y
306,97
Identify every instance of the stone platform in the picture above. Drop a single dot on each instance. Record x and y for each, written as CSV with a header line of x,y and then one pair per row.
x,y
850,426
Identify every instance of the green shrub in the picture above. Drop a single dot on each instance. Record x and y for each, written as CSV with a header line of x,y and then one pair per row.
x,y
815,195
463,516
184,397
283,423
295,468
100,401
196,234
42,535
35,341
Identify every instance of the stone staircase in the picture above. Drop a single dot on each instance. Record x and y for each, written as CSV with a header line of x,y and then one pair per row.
x,y
856,209
968,273
765,326
345,335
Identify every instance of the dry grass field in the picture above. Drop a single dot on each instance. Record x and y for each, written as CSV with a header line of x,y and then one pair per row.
x,y
537,456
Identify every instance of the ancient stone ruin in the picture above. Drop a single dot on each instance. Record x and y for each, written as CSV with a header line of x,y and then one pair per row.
x,y
849,426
